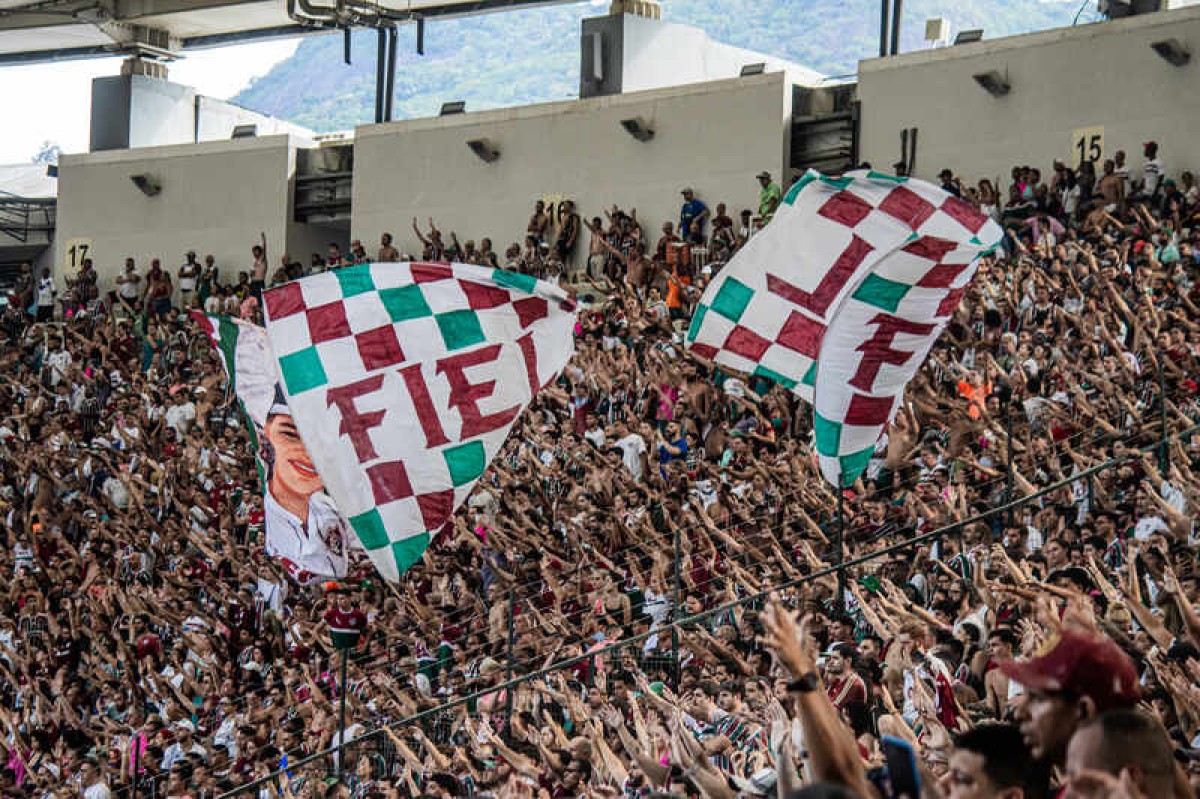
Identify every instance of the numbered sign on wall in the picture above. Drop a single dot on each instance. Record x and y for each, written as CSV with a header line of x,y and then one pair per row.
x,y
1087,144
73,254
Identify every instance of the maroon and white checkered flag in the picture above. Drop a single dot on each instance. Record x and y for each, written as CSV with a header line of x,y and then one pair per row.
x,y
404,380
840,299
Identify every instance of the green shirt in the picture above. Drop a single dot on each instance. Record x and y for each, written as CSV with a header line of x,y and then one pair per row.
x,y
768,200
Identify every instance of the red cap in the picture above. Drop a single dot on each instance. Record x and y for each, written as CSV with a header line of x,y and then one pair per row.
x,y
1150,143
1080,664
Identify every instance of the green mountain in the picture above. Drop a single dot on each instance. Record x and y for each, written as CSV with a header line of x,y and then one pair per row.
x,y
531,56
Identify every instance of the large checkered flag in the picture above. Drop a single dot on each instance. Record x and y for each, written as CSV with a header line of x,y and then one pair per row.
x,y
404,380
840,299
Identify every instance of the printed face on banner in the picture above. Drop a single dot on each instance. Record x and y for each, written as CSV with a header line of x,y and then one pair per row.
x,y
293,474
302,526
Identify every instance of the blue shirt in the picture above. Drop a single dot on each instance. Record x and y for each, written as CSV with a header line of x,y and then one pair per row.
x,y
664,456
690,210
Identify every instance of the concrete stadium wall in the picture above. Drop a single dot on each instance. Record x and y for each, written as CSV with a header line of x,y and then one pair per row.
x,y
1100,75
714,137
216,198
139,111
658,54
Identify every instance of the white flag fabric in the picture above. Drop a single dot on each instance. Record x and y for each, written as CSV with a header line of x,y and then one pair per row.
x,y
246,356
404,379
840,299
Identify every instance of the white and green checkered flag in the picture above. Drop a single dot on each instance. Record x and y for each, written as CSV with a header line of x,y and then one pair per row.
x,y
404,380
840,299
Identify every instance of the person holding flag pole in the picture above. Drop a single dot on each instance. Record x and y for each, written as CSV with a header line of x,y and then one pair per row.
x,y
346,625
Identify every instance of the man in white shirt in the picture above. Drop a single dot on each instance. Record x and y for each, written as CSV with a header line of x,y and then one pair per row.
x,y
1152,171
181,415
91,784
184,745
594,432
189,274
45,297
129,285
633,449
1121,170
58,363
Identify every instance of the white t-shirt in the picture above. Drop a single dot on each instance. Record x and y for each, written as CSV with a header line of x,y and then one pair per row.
x,y
188,274
97,791
1148,526
46,292
595,436
1151,175
127,285
58,362
632,447
180,417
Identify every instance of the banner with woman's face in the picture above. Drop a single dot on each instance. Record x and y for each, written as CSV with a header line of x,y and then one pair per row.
x,y
303,528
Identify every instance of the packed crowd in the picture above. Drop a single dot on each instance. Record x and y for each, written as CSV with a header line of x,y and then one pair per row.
x,y
1054,645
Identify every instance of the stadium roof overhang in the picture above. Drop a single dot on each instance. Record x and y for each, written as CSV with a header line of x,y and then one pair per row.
x,y
33,31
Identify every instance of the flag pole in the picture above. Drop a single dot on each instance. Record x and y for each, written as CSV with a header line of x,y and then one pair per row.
x,y
675,630
839,537
512,637
341,760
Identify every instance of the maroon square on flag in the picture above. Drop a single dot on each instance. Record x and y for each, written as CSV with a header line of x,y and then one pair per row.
x,y
435,508
964,214
327,322
389,482
706,351
745,342
867,411
802,334
930,247
907,206
949,303
379,348
481,296
531,309
819,300
845,208
941,276
284,301
430,272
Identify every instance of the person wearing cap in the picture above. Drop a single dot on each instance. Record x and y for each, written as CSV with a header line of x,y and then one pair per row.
x,y
189,277
769,196
1082,675
692,214
184,745
950,184
303,527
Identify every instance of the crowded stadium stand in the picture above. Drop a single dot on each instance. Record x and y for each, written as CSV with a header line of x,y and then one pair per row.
x,y
651,593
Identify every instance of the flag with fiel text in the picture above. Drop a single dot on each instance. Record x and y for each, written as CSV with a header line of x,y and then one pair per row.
x,y
404,380
840,298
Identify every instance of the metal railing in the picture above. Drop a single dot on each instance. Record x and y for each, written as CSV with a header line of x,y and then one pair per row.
x,y
23,217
